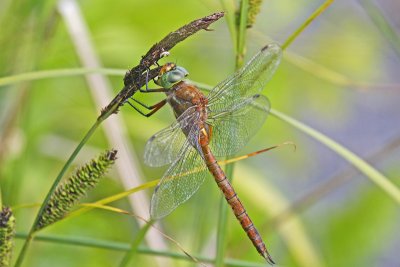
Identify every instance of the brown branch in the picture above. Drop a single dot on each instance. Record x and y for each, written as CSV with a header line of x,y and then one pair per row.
x,y
136,77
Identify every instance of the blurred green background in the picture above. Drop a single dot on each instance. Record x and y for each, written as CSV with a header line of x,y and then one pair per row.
x,y
340,76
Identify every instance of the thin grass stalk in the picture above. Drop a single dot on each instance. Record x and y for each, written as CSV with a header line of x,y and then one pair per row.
x,y
369,171
310,19
222,223
37,75
119,246
331,184
132,252
242,30
110,109
374,175
53,188
381,22
229,8
71,190
223,207
94,127
113,198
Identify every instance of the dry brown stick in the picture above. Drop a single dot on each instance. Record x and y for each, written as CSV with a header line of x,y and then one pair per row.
x,y
135,78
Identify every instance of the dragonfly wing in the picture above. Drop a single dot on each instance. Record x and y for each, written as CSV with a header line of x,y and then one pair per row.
x,y
247,81
233,128
179,183
164,147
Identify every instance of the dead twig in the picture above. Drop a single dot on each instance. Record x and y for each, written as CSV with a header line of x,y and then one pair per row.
x,y
135,78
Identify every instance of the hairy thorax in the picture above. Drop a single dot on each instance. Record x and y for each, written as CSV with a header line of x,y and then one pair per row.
x,y
183,96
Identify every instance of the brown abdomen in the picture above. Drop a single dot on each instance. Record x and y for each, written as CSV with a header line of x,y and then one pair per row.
x,y
234,202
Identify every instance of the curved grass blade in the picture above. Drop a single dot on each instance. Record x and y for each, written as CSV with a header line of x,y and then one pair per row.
x,y
113,198
53,188
44,74
119,246
229,8
153,183
310,19
140,235
381,22
242,30
135,244
267,199
374,175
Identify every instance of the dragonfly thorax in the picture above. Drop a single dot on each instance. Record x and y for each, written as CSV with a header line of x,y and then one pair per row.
x,y
183,96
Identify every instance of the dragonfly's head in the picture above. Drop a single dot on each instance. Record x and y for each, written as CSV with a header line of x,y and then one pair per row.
x,y
170,74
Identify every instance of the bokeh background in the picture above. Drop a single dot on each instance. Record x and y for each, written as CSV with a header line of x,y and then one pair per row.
x,y
340,77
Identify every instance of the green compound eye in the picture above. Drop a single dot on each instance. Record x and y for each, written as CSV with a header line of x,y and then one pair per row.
x,y
173,76
176,75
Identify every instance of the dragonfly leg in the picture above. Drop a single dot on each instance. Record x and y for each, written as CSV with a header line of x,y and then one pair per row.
x,y
148,90
153,108
147,79
157,90
162,103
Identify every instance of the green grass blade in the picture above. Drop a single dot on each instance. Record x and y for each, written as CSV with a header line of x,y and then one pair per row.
x,y
53,188
319,70
135,244
112,198
230,9
374,175
382,24
37,75
222,224
242,30
223,206
310,19
264,197
118,246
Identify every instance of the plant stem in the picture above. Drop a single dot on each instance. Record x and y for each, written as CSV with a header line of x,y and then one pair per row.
x,y
135,244
382,23
242,29
119,246
222,223
41,74
310,19
374,175
229,8
223,207
54,186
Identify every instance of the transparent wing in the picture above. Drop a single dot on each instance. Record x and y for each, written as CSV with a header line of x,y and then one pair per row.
x,y
164,147
233,128
247,81
179,183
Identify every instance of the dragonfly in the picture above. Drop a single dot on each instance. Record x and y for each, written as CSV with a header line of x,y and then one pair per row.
x,y
206,128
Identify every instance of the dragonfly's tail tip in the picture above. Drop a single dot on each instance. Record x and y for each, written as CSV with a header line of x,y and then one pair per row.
x,y
268,258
